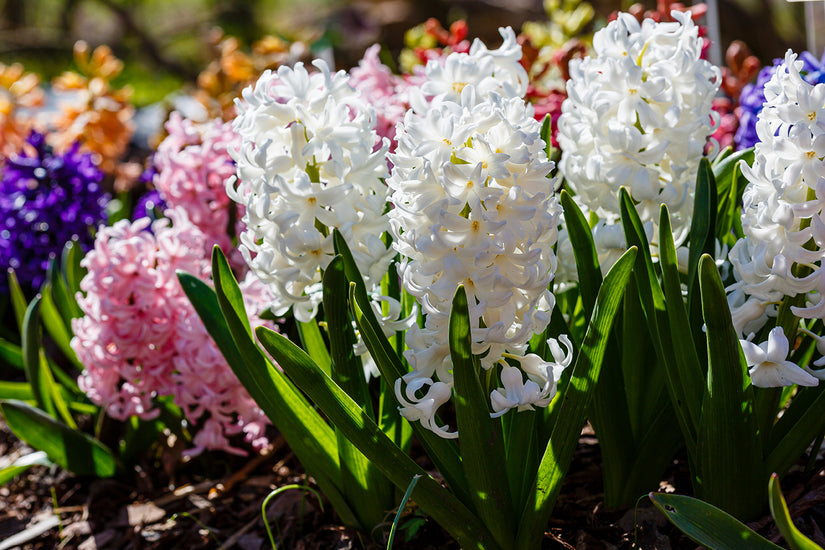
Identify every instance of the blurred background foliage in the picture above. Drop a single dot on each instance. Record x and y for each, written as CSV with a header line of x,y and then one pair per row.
x,y
165,43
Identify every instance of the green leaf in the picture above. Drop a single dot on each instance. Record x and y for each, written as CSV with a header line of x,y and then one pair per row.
x,y
229,293
72,271
652,299
437,502
21,391
559,451
584,249
362,482
11,354
689,378
731,472
37,458
793,432
39,378
69,448
707,525
482,448
18,299
314,344
730,184
56,325
443,452
64,299
779,510
307,434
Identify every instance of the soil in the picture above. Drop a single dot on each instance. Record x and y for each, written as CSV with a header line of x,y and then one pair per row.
x,y
214,501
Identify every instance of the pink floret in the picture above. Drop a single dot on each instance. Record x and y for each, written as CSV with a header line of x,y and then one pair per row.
x,y
141,338
386,92
193,164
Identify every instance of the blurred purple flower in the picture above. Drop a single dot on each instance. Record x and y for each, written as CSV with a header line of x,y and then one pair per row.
x,y
46,199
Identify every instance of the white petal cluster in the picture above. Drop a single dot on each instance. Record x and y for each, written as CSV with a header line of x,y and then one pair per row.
x,y
473,206
782,216
307,164
638,115
769,367
485,71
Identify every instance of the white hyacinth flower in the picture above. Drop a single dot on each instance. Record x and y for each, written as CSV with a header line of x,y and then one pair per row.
x,y
306,165
769,367
782,215
473,206
638,115
483,70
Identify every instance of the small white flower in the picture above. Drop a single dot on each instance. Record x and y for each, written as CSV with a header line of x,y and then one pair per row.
x,y
769,365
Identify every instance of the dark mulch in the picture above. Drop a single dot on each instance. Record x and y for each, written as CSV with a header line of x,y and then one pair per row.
x,y
214,501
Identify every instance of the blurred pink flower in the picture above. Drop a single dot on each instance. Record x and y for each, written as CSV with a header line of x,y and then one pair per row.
x,y
386,92
192,165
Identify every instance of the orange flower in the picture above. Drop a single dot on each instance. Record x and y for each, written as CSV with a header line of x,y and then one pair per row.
x,y
97,115
18,89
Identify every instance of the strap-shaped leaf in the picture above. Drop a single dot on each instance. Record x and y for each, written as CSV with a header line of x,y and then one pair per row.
x,y
314,344
71,449
37,458
702,241
652,298
707,525
21,391
703,222
559,451
609,413
71,269
18,299
307,434
482,447
803,420
730,184
55,325
731,474
38,377
779,510
64,298
11,354
443,452
584,249
437,502
689,376
362,482
229,294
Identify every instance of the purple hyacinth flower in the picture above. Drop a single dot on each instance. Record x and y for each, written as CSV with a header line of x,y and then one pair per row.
x,y
46,200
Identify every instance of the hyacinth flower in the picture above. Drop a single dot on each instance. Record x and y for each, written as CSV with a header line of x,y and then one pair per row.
x,y
307,164
753,96
473,206
140,337
192,165
384,91
779,261
638,115
46,200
